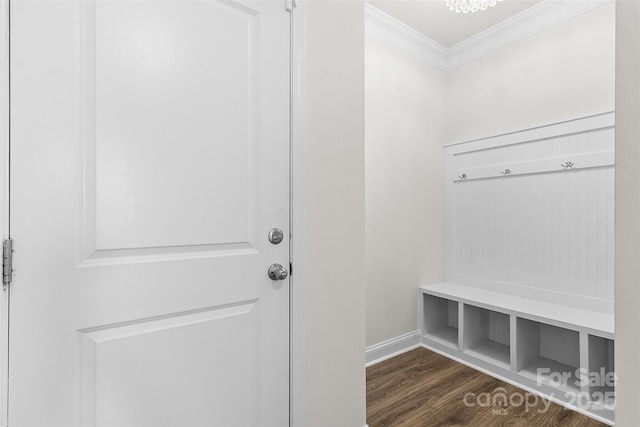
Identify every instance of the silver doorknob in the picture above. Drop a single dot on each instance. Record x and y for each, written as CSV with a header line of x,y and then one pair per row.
x,y
277,272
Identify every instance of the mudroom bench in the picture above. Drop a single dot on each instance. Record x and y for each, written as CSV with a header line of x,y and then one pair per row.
x,y
562,353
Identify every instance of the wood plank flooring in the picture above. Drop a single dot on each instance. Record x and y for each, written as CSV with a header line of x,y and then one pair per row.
x,y
420,388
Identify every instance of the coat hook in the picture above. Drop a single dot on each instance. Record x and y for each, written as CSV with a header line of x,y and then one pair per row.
x,y
506,172
463,176
567,165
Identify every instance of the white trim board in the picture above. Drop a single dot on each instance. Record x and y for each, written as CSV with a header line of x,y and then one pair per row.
x,y
4,199
392,347
554,164
297,292
584,124
538,18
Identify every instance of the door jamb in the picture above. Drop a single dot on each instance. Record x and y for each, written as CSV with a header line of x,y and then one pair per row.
x,y
297,324
4,198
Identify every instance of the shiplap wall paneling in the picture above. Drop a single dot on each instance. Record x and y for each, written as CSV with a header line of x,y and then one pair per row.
x,y
535,229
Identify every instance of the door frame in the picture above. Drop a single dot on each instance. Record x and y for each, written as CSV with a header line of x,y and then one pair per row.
x,y
297,191
297,368
5,99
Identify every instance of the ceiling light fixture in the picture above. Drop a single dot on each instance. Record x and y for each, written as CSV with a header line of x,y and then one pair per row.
x,y
466,6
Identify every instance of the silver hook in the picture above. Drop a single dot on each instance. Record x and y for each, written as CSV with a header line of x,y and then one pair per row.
x,y
567,165
463,176
506,172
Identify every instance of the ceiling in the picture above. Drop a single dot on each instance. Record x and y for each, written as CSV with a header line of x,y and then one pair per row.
x,y
434,19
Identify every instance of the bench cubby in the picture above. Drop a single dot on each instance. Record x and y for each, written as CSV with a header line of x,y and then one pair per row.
x,y
548,354
441,320
600,377
486,335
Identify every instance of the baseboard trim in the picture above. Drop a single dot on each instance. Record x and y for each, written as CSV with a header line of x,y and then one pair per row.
x,y
392,347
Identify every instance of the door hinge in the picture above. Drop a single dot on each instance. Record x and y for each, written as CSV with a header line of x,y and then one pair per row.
x,y
7,262
290,5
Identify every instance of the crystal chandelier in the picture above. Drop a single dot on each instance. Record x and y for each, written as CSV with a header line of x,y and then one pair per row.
x,y
466,6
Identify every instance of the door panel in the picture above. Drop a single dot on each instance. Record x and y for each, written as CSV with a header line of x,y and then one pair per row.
x,y
149,160
160,89
126,364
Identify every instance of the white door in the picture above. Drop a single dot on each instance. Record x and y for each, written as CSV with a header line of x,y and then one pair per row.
x,y
149,161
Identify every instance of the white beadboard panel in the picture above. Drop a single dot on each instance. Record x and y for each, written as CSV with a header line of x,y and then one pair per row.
x,y
542,227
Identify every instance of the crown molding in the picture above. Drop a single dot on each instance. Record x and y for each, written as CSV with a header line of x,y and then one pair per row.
x,y
536,19
399,35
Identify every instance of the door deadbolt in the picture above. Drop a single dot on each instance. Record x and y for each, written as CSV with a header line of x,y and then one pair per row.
x,y
278,272
276,235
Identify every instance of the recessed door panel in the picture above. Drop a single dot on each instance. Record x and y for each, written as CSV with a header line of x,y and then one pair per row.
x,y
175,122
135,374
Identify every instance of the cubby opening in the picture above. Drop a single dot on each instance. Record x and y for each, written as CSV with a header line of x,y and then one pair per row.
x,y
548,354
601,377
486,335
441,320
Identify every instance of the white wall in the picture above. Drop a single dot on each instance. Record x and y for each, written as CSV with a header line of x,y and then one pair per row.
x,y
627,212
334,215
560,74
404,130
564,73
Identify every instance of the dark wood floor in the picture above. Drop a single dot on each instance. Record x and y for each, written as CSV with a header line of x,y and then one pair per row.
x,y
421,388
